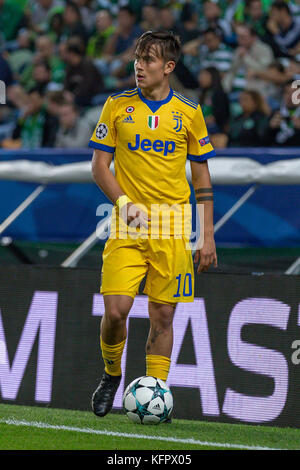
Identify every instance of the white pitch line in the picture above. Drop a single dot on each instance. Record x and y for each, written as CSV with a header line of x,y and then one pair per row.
x,y
36,424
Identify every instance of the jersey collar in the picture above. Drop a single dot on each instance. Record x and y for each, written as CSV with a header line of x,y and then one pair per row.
x,y
155,105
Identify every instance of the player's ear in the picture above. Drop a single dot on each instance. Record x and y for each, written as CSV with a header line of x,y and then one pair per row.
x,y
169,67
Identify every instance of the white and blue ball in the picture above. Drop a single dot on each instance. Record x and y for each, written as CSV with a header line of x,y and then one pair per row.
x,y
148,400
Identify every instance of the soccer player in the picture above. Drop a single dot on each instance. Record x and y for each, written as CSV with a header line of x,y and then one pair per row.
x,y
150,130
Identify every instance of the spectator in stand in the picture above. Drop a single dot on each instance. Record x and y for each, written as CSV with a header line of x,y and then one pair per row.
x,y
54,100
8,99
275,76
12,18
40,12
208,50
111,5
73,132
42,75
121,43
256,17
82,80
248,129
241,10
285,29
15,95
251,55
229,9
73,25
87,10
213,19
55,26
90,53
117,61
34,126
214,53
168,22
284,123
104,30
150,16
214,101
182,79
22,56
44,51
187,25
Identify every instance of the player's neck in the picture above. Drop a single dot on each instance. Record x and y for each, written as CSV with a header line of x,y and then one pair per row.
x,y
158,93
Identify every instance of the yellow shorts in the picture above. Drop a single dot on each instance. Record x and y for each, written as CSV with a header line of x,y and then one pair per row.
x,y
168,264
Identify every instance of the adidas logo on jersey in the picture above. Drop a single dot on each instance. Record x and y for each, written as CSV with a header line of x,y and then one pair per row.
x,y
129,119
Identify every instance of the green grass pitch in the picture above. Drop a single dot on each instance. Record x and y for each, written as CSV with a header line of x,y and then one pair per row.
x,y
37,428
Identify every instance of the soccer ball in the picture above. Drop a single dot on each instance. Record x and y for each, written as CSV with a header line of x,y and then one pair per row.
x,y
148,400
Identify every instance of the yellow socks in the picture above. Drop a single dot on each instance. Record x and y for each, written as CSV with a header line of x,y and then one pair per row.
x,y
112,355
158,366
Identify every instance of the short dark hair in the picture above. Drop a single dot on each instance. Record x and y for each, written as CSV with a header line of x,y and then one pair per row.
x,y
128,9
75,48
73,5
279,5
40,89
167,44
56,96
43,63
72,105
248,2
288,83
249,27
216,31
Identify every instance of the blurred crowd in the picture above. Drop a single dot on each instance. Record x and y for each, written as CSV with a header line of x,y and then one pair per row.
x,y
61,59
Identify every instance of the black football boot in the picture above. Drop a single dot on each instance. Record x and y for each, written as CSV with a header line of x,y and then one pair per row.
x,y
103,397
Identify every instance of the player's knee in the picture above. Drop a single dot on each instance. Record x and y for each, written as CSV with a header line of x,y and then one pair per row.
x,y
163,317
116,316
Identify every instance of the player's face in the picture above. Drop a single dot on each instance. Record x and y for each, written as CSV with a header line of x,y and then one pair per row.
x,y
151,70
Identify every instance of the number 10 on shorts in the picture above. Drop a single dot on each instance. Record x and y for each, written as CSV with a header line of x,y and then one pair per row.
x,y
184,285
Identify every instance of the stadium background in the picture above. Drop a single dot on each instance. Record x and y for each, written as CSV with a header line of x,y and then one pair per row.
x,y
47,117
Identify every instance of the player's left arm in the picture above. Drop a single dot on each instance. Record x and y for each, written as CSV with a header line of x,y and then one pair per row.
x,y
199,151
201,181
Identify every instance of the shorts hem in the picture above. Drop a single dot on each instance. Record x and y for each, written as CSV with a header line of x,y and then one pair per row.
x,y
119,292
160,301
168,301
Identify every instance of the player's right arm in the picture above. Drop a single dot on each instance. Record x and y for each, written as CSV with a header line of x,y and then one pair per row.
x,y
107,182
104,177
103,142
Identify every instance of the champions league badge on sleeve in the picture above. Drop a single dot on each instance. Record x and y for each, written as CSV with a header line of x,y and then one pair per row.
x,y
204,141
101,131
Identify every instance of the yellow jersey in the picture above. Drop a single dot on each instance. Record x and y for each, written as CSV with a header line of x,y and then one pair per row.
x,y
151,141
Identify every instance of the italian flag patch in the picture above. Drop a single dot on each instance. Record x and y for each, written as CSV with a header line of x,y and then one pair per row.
x,y
153,122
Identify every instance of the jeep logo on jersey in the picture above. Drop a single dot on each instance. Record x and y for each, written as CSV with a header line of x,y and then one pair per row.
x,y
153,122
167,146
